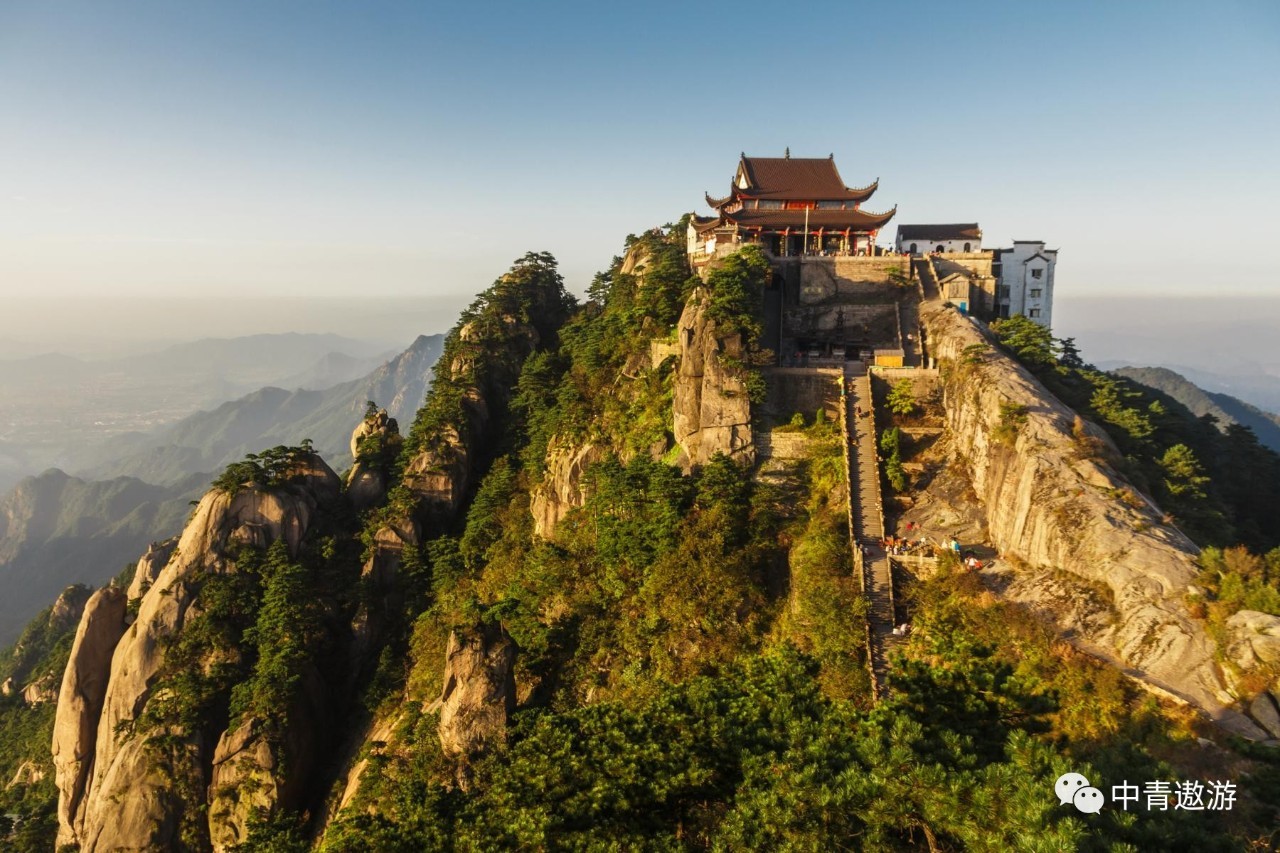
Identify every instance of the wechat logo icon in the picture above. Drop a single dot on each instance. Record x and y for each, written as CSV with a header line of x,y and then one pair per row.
x,y
1074,788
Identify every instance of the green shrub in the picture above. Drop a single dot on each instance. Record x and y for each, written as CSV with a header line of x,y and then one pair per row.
x,y
1013,417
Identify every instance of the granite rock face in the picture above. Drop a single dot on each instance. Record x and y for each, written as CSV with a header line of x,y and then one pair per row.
x,y
252,772
563,488
711,408
1254,639
1053,507
375,437
479,693
84,686
118,793
149,567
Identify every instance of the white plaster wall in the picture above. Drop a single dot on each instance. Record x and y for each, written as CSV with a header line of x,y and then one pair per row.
x,y
1016,273
924,247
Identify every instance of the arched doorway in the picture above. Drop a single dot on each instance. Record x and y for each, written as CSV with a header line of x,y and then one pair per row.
x,y
966,247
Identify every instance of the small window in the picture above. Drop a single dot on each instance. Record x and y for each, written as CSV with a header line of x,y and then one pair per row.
x,y
1035,293
1033,313
1037,274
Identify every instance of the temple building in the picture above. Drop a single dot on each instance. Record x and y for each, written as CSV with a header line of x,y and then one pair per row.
x,y
834,296
790,206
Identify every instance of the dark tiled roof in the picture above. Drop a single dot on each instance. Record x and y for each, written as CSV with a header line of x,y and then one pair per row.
x,y
798,178
705,223
954,231
832,220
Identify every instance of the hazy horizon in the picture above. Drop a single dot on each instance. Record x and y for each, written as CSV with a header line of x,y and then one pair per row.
x,y
1220,334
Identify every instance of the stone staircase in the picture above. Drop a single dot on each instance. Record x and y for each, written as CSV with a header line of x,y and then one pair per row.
x,y
868,524
928,277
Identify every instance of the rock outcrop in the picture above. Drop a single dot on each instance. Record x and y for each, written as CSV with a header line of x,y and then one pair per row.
x,y
1053,507
479,693
252,772
44,689
26,675
374,445
68,607
84,687
563,488
149,567
120,794
712,409
28,773
1254,639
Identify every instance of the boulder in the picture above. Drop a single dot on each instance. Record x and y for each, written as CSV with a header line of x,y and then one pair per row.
x,y
1254,639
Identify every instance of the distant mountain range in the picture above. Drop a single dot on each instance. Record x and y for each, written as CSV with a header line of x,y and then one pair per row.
x,y
247,362
57,529
209,440
1224,407
56,407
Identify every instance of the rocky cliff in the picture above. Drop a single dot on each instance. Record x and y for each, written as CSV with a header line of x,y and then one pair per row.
x,y
479,694
1093,552
375,444
563,487
712,409
127,783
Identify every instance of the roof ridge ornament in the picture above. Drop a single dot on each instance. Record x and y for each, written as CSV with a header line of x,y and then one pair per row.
x,y
787,154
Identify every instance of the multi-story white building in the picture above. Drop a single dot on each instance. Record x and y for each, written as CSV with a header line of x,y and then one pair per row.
x,y
1024,281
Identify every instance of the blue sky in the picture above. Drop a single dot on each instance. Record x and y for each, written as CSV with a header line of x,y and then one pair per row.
x,y
292,149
